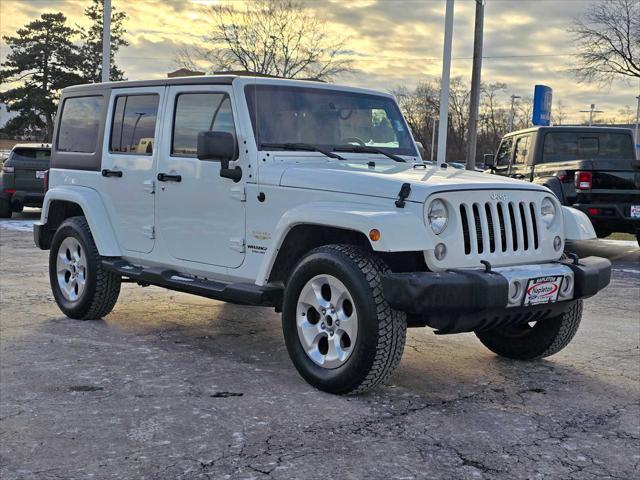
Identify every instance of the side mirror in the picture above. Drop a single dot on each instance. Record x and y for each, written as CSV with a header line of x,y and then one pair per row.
x,y
219,147
489,160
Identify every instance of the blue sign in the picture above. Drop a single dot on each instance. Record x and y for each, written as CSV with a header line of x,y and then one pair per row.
x,y
542,105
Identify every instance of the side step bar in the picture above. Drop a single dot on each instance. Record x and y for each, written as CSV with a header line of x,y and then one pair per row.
x,y
238,293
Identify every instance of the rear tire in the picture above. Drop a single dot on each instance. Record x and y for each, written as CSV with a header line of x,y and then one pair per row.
x,y
545,338
5,208
346,280
638,237
82,288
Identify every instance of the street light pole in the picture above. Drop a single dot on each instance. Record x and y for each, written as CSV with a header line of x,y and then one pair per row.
x,y
512,114
444,85
474,101
591,111
106,41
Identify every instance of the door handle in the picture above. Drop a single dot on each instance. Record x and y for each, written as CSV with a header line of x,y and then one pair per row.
x,y
163,177
111,173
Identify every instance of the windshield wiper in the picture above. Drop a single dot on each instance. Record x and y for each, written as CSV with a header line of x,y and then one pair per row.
x,y
302,146
368,149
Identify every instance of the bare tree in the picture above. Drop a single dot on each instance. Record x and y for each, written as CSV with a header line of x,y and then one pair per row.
x,y
270,37
608,41
492,115
558,113
420,108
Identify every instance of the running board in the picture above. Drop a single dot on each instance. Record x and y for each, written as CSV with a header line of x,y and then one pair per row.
x,y
238,293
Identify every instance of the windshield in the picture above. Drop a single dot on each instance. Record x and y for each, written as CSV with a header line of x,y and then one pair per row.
x,y
567,146
327,118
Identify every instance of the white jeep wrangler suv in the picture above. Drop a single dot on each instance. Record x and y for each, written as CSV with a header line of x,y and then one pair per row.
x,y
312,199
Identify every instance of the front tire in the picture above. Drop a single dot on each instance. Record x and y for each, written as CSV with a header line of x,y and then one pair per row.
x,y
81,287
545,338
341,334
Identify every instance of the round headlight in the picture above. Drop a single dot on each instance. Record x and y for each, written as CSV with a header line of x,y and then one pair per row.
x,y
548,211
437,216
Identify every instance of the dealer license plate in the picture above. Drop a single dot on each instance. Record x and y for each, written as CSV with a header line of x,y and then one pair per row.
x,y
635,211
40,173
542,290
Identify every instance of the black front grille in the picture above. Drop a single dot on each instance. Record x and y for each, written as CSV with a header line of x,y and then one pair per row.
x,y
499,227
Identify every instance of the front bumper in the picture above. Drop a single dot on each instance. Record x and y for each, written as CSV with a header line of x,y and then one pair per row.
x,y
471,300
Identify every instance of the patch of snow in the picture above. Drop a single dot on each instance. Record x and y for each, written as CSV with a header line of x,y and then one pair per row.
x,y
17,225
619,243
625,270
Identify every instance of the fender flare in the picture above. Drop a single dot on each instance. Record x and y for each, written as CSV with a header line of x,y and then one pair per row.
x,y
553,184
577,225
400,230
95,212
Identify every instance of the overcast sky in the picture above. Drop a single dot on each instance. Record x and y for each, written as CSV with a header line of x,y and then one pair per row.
x,y
395,42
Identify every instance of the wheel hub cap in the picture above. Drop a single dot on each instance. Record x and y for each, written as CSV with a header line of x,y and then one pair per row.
x,y
71,268
327,321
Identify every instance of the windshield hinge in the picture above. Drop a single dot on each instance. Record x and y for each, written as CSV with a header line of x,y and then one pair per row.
x,y
237,244
239,192
150,186
405,190
149,231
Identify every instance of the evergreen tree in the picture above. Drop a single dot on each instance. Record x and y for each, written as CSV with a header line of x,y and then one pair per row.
x,y
42,61
91,50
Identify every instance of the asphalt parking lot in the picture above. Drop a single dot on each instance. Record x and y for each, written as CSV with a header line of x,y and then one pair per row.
x,y
172,386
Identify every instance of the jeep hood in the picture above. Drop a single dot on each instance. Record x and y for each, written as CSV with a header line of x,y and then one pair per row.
x,y
382,180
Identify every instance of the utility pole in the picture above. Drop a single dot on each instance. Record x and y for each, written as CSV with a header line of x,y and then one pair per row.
x,y
444,85
591,111
638,128
106,41
433,137
474,102
512,114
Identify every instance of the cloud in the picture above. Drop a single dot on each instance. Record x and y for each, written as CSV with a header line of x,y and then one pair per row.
x,y
391,42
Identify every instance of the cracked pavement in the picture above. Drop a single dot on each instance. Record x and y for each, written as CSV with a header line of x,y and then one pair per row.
x,y
171,386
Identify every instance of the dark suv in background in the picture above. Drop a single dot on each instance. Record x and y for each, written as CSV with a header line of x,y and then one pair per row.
x,y
22,178
593,169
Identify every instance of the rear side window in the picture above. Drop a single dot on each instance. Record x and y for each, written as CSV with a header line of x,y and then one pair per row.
x,y
522,151
199,112
79,124
134,124
503,156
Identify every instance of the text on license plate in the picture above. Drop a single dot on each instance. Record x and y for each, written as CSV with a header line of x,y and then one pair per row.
x,y
40,173
542,290
635,211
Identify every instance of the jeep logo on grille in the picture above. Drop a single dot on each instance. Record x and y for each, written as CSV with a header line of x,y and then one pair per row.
x,y
499,196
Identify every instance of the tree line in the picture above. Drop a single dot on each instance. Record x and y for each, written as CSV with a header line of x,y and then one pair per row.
x,y
47,55
284,38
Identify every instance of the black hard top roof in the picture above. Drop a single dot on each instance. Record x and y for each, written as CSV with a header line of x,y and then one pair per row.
x,y
196,80
569,128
